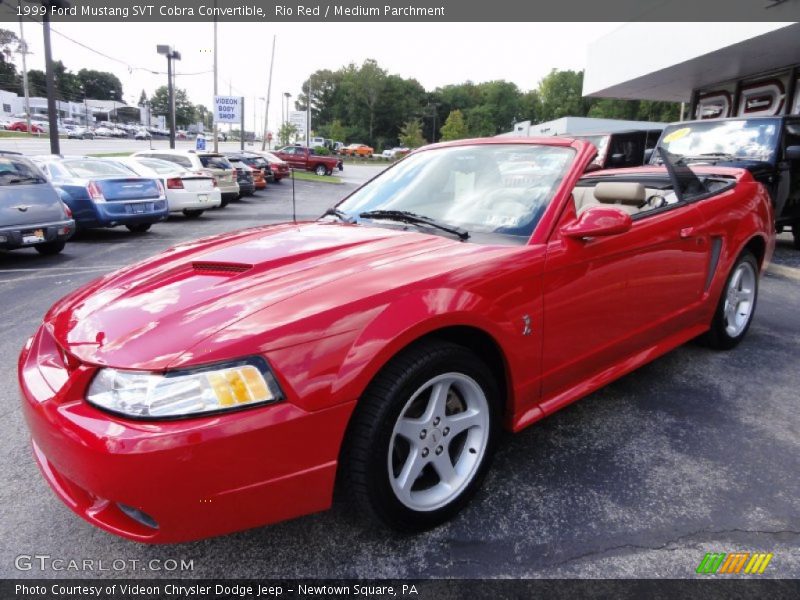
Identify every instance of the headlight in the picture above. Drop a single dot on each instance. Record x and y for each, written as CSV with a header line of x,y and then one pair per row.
x,y
182,393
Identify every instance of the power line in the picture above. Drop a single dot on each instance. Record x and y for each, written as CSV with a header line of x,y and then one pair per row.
x,y
130,67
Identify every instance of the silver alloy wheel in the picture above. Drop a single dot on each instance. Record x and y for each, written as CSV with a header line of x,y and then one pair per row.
x,y
438,442
739,299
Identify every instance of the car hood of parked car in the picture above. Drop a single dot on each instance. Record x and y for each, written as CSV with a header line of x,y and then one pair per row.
x,y
267,281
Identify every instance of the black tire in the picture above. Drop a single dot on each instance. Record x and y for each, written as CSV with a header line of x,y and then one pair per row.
x,y
223,203
140,228
50,248
796,235
321,170
365,456
192,214
719,337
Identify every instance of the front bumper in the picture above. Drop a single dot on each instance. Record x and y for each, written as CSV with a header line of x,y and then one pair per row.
x,y
13,237
194,478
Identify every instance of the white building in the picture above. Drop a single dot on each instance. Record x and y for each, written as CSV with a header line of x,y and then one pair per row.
x,y
91,111
578,125
718,69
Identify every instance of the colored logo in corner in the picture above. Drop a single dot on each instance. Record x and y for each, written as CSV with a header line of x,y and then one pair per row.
x,y
735,563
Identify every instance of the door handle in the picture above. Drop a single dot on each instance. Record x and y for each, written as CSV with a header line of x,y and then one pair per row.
x,y
687,232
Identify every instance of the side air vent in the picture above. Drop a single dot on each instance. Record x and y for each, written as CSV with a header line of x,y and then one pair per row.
x,y
220,267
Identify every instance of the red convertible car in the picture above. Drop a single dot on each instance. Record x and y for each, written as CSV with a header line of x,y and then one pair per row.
x,y
231,382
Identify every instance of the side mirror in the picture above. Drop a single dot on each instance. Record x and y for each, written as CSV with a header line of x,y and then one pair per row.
x,y
792,153
598,221
648,154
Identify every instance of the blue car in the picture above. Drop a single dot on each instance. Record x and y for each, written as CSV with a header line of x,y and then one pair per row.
x,y
31,212
103,193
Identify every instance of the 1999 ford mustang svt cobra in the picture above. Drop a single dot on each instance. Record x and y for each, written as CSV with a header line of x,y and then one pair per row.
x,y
230,382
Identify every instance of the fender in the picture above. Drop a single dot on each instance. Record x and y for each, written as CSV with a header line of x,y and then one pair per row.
x,y
415,316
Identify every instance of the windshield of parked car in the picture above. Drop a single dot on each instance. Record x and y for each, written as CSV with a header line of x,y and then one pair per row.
x,y
743,139
16,171
489,188
214,161
95,168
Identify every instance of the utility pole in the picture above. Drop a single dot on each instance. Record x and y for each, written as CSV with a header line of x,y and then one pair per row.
x,y
52,108
308,116
23,49
269,93
216,91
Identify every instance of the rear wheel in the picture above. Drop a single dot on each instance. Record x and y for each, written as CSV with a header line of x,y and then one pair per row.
x,y
192,214
736,306
50,248
321,170
422,437
140,228
796,235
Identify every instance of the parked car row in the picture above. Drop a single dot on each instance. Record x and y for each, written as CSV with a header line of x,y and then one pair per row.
x,y
45,199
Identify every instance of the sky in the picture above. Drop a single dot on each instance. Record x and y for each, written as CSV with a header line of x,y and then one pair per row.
x,y
436,54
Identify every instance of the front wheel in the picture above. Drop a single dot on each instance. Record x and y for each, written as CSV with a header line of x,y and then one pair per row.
x,y
422,437
796,235
50,248
140,228
192,214
736,306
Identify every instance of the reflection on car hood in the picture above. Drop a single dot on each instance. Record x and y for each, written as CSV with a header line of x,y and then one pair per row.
x,y
146,315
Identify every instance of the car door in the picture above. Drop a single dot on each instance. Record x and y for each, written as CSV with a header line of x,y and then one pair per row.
x,y
608,299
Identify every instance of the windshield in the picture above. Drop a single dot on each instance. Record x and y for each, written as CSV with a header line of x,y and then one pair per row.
x,y
491,188
96,168
753,139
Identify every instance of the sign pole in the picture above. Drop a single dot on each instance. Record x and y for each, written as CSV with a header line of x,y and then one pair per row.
x,y
241,137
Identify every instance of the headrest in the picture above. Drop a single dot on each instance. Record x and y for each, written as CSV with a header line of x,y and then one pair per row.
x,y
620,192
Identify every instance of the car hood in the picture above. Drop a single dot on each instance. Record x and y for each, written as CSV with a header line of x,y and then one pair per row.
x,y
146,315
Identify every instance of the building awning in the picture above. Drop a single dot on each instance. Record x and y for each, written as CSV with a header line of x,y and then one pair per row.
x,y
666,61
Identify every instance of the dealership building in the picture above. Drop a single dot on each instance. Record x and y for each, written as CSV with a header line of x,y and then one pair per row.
x,y
717,69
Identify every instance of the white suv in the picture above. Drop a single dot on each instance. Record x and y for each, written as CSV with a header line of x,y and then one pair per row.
x,y
212,163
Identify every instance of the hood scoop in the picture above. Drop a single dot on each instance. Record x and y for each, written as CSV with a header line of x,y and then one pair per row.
x,y
220,268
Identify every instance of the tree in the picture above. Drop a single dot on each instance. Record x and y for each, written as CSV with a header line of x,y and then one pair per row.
x,y
336,131
454,128
101,85
411,134
142,99
184,110
9,79
560,93
286,132
37,85
370,82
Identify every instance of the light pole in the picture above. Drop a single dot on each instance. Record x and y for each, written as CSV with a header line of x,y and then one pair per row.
x,y
171,55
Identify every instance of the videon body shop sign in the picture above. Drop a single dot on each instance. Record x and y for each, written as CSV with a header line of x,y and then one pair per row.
x,y
228,109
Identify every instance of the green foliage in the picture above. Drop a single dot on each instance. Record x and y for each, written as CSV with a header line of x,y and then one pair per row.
x,y
9,78
286,132
411,134
185,111
100,85
560,95
454,128
322,151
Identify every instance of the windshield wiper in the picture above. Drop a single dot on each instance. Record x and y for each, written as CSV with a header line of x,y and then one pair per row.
x,y
13,180
415,219
335,212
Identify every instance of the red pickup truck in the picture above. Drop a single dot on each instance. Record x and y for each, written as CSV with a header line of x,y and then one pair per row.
x,y
300,157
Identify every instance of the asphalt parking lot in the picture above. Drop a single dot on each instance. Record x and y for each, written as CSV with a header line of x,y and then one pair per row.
x,y
697,452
